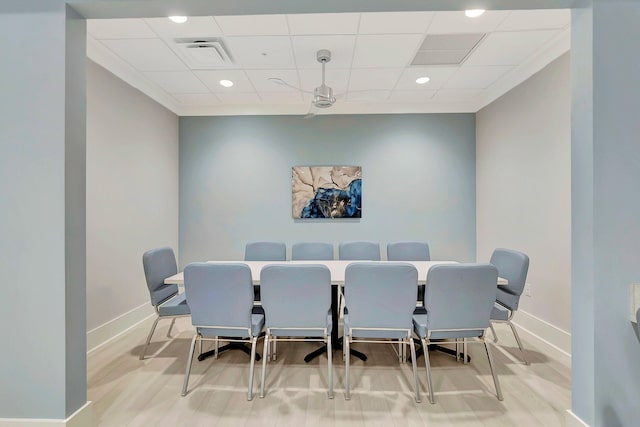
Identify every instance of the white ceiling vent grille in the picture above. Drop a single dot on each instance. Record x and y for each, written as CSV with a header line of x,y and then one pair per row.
x,y
203,53
446,49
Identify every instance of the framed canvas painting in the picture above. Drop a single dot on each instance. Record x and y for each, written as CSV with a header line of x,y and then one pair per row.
x,y
326,191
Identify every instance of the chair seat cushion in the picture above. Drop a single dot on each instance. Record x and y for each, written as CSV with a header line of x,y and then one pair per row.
x,y
311,332
420,328
372,333
176,306
257,324
163,292
500,312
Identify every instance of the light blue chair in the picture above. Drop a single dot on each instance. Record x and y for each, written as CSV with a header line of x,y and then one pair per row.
x,y
311,251
513,266
408,251
159,264
265,251
458,299
380,299
221,300
359,251
297,303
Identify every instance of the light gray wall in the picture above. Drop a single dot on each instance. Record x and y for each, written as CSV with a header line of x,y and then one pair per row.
x,y
42,195
609,173
524,186
418,181
132,192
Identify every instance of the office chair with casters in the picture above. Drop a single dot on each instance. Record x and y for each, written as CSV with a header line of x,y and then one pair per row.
x,y
359,251
159,264
311,251
380,299
513,266
221,301
458,299
297,303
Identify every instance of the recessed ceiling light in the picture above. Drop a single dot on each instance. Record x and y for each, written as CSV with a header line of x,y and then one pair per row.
x,y
226,83
178,19
422,80
473,13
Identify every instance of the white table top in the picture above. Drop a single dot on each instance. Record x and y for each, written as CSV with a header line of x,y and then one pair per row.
x,y
337,268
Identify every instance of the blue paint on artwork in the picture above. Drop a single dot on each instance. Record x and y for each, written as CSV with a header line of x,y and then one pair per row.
x,y
336,203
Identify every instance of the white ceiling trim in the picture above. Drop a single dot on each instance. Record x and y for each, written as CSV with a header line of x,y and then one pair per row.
x,y
557,46
102,56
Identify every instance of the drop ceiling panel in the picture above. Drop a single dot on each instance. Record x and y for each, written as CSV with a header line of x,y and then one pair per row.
x,y
479,77
198,99
281,97
335,78
457,22
177,81
520,20
119,29
212,79
438,76
509,48
146,54
257,25
411,96
261,82
306,47
323,23
392,50
265,52
368,95
374,78
457,94
196,26
239,98
394,22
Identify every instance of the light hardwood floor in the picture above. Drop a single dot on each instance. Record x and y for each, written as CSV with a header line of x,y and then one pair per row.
x,y
128,392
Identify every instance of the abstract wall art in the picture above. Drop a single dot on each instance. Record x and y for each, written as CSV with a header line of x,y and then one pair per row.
x,y
326,191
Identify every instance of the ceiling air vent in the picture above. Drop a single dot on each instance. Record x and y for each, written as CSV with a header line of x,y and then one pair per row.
x,y
203,52
446,49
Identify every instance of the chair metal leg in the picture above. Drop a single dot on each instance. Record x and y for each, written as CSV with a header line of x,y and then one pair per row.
x,y
264,363
216,343
188,371
515,334
201,346
254,342
330,366
173,321
346,355
153,328
457,349
493,331
415,369
427,362
493,371
465,351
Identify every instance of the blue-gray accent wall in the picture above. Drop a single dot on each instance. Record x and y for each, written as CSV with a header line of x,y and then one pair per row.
x,y
418,181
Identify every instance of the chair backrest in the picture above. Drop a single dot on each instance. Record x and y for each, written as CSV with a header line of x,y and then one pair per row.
x,y
295,295
380,295
265,251
408,251
460,296
219,294
159,264
513,266
359,250
312,251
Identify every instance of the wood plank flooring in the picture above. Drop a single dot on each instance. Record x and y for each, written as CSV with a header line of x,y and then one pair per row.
x,y
128,392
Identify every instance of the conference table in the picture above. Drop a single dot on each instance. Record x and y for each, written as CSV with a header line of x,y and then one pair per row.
x,y
337,269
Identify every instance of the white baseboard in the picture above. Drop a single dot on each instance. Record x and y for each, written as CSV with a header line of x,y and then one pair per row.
x,y
83,417
572,420
544,331
101,335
